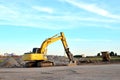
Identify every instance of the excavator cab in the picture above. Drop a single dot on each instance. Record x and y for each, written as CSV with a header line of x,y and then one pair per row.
x,y
36,50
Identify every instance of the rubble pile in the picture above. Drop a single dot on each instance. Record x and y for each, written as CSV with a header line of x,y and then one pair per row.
x,y
10,62
17,62
20,61
58,60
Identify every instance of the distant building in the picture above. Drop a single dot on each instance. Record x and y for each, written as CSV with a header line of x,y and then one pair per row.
x,y
7,54
83,55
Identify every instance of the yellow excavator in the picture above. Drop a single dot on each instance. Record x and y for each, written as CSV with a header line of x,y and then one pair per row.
x,y
38,57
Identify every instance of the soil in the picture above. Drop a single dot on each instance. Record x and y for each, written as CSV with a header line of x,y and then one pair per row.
x,y
81,72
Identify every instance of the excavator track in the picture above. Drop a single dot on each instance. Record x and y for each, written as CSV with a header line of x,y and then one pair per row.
x,y
39,64
45,64
30,64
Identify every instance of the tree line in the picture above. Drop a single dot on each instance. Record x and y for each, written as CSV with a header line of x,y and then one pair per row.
x,y
111,54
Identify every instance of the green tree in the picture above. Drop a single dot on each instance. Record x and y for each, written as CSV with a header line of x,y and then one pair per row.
x,y
98,54
115,54
112,53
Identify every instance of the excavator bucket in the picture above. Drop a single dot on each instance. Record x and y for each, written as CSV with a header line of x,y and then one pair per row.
x,y
72,63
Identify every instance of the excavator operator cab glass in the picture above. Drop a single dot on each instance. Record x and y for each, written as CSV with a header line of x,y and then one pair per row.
x,y
36,50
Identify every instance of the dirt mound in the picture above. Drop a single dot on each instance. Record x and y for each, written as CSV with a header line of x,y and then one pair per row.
x,y
15,62
10,62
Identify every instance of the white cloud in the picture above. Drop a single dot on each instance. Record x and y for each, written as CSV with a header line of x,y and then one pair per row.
x,y
6,10
8,14
43,9
93,8
111,27
39,21
91,19
13,16
41,25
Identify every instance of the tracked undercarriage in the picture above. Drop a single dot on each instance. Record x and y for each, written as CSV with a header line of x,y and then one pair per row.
x,y
39,64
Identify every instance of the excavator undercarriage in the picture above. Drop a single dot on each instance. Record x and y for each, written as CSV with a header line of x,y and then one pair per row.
x,y
39,64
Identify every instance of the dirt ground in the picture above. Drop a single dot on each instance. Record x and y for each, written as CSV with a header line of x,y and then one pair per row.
x,y
81,72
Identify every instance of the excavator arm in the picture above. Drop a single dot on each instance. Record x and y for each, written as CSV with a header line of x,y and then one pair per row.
x,y
64,42
48,42
54,39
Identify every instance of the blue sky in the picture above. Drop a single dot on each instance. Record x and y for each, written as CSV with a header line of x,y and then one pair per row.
x,y
90,26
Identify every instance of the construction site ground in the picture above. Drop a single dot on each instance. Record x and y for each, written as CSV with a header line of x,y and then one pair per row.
x,y
81,72
12,68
